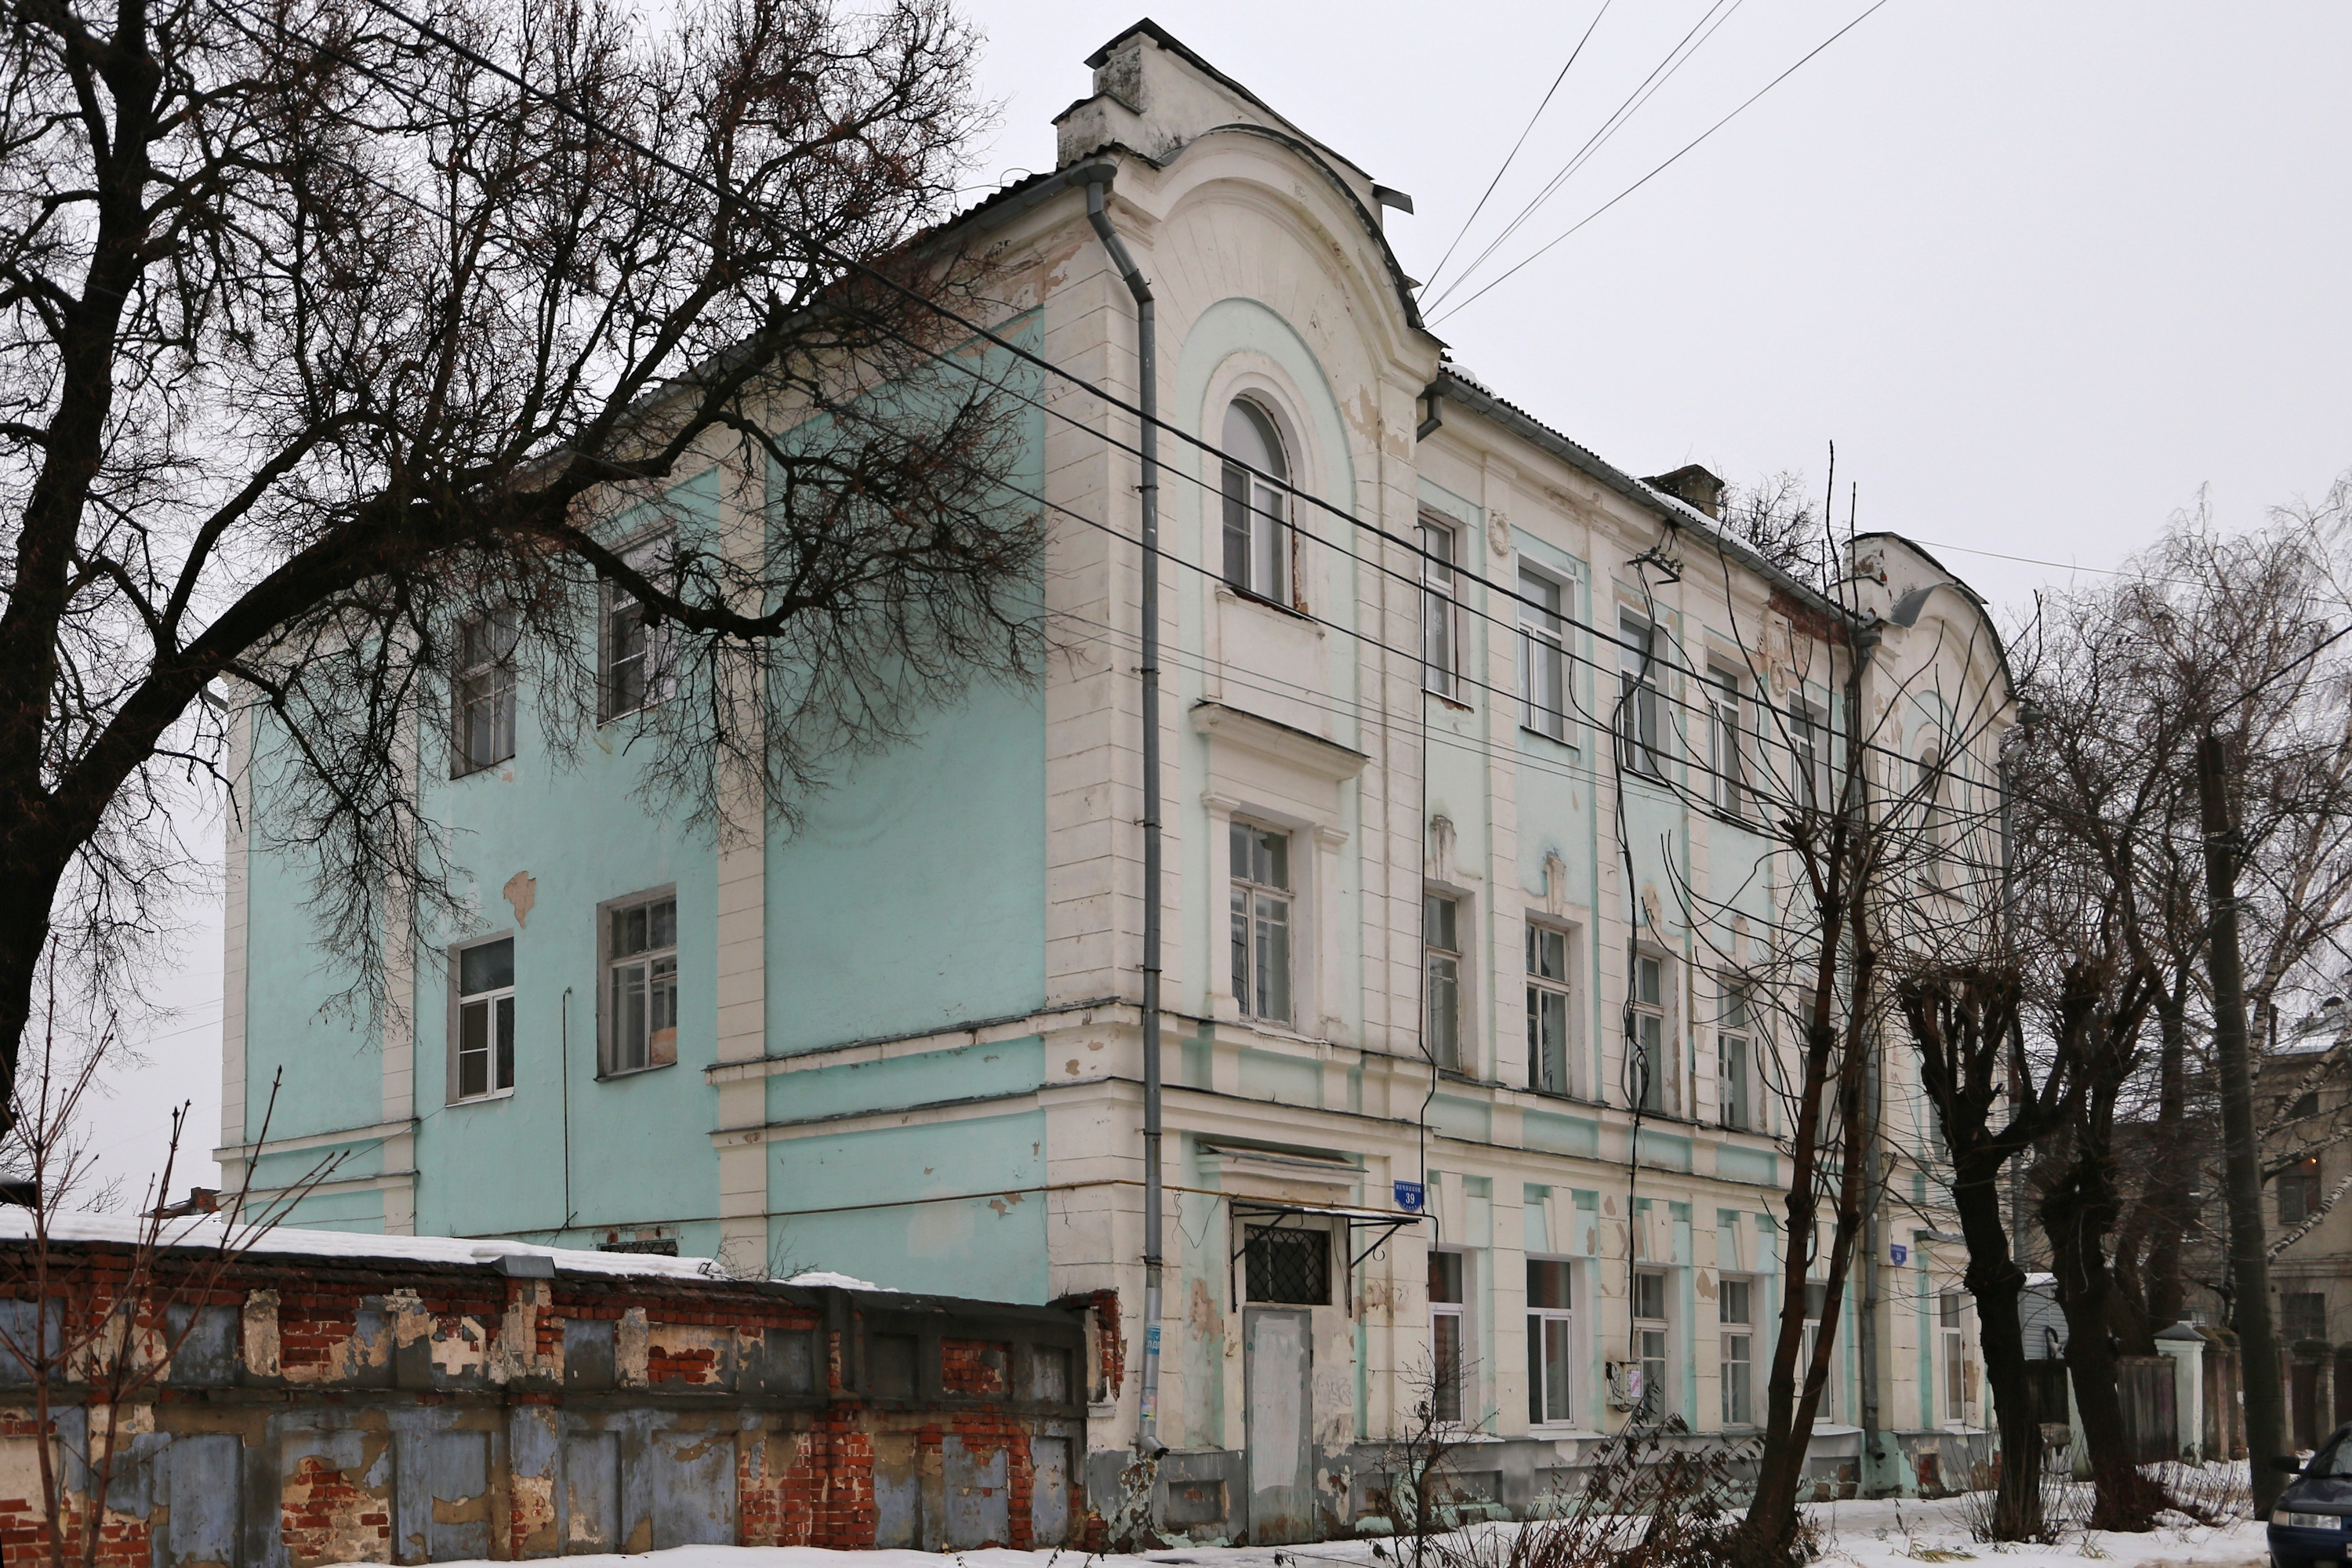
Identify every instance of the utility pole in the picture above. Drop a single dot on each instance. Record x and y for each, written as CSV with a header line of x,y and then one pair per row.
x,y
2249,1274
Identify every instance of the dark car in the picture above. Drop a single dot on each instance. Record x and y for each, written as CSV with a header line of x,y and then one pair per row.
x,y
2312,1522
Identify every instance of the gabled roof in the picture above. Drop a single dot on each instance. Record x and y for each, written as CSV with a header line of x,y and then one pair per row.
x,y
1174,46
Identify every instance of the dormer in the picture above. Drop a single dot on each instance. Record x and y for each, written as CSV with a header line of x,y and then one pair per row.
x,y
1154,96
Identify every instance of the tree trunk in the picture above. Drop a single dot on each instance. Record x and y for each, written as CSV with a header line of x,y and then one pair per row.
x,y
1768,1534
2249,1274
1998,1284
2077,1216
2148,1253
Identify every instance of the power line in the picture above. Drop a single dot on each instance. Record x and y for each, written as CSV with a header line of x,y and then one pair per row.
x,y
1439,269
1662,168
1702,712
1643,92
948,313
1416,582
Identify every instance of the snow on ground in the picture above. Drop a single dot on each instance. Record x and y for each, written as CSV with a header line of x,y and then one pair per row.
x,y
1879,1534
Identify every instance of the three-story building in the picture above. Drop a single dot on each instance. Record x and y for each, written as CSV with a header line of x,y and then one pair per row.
x,y
1465,1099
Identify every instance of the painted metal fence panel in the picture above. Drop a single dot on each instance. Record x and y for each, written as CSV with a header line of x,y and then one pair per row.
x,y
589,1520
2151,1407
202,1494
1049,1490
980,1502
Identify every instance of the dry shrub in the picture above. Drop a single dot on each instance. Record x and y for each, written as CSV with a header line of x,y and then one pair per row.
x,y
1648,1500
2065,1503
2216,1494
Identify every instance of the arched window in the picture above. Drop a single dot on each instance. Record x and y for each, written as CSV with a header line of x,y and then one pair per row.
x,y
1257,542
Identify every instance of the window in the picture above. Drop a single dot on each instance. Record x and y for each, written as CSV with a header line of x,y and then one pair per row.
x,y
1547,1010
1257,540
636,672
2298,1191
1637,696
1543,659
1650,1068
486,1019
1440,621
1288,1266
1735,1308
1440,941
1735,1050
1953,1339
1550,1342
2303,1314
1816,1303
1445,1301
1935,819
641,959
1260,909
482,696
1726,757
1650,1330
1804,756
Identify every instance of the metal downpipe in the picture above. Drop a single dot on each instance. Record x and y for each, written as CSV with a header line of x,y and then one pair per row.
x,y
1097,179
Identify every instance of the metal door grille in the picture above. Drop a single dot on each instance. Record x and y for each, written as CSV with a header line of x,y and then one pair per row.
x,y
1288,1267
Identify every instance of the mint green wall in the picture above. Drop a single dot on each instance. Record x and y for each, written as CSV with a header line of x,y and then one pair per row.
x,y
639,1144
955,1207
913,896
333,1074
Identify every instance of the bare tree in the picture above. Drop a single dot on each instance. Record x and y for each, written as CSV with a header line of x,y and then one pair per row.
x,y
346,354
91,1328
1876,857
2208,634
1774,517
1995,1102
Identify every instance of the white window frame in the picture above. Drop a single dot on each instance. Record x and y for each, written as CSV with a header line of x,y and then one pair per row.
x,y
1444,971
1951,1334
1266,564
612,969
1543,653
1541,989
1654,1333
483,682
1739,1388
1827,1409
1441,610
1726,757
1542,1340
653,557
1808,730
1735,1043
499,1064
1663,1097
1265,909
1641,735
1452,1380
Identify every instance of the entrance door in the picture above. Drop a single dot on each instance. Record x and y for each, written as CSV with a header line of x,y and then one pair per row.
x,y
1281,1360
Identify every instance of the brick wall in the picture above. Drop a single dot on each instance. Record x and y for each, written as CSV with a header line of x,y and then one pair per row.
x,y
303,1410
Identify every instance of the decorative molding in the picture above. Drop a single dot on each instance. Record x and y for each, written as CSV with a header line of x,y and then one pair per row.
x,y
1309,753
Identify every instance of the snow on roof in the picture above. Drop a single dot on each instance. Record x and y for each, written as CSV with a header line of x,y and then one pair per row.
x,y
206,1231
816,1278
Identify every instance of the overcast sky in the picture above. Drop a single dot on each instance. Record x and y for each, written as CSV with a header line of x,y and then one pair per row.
x,y
2042,271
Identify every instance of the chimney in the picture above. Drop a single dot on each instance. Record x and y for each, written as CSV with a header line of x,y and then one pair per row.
x,y
1693,484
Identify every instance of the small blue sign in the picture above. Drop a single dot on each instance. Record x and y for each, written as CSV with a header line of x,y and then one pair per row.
x,y
1409,1196
1900,1253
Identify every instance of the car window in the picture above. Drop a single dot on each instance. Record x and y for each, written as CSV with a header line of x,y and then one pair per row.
x,y
2334,1459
